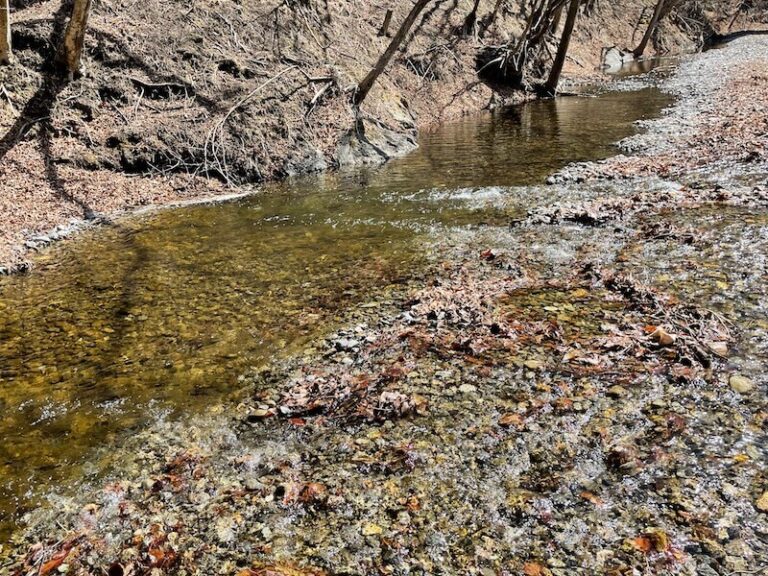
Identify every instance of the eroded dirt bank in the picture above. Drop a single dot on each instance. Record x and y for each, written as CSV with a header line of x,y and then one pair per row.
x,y
583,392
241,92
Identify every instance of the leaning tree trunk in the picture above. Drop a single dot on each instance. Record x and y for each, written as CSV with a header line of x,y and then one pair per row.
x,y
365,86
562,50
71,48
469,22
649,31
5,32
556,19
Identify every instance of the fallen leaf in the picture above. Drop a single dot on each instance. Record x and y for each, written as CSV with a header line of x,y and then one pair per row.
x,y
659,540
570,355
642,543
512,420
654,540
162,558
488,255
52,564
535,569
580,293
563,404
313,493
593,498
281,570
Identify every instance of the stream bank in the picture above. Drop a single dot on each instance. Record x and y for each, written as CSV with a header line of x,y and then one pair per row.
x,y
583,392
159,106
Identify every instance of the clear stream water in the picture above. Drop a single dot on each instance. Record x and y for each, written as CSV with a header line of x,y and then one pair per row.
x,y
160,314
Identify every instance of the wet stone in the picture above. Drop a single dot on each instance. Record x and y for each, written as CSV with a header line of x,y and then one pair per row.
x,y
741,384
346,344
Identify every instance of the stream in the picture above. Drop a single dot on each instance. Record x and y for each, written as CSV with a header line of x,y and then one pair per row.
x,y
159,315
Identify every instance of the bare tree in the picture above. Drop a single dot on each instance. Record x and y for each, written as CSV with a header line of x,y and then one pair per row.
x,y
562,50
365,86
5,32
71,48
512,60
637,52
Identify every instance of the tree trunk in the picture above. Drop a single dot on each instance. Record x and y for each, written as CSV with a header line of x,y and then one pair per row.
x,y
469,22
365,86
384,30
562,50
528,43
649,32
71,48
5,32
556,19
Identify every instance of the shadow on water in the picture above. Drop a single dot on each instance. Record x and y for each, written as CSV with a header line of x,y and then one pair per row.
x,y
162,313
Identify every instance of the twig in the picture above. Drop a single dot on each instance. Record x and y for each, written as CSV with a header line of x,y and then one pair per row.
x,y
138,103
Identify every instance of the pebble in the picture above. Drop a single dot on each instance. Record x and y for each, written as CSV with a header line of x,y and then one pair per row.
x,y
252,484
719,348
762,502
346,344
616,391
741,384
372,530
467,389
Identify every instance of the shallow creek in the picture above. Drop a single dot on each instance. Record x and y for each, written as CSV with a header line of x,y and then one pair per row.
x,y
160,314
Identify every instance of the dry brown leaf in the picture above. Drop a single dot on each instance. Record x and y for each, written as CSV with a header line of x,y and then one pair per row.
x,y
511,419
